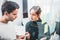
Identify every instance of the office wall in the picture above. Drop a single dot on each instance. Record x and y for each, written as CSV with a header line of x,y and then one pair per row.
x,y
1,1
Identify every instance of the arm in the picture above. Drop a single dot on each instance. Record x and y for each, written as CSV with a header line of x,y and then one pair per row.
x,y
19,34
27,32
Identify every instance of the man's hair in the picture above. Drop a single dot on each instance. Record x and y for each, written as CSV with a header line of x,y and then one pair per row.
x,y
9,6
37,9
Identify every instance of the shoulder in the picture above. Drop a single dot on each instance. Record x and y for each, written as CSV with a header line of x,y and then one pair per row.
x,y
28,23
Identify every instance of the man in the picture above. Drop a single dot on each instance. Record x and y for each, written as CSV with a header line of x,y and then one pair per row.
x,y
35,28
9,13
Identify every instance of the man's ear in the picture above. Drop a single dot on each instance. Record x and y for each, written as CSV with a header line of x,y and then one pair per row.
x,y
38,15
5,13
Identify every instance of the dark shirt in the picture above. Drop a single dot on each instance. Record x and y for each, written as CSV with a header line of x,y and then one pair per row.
x,y
34,29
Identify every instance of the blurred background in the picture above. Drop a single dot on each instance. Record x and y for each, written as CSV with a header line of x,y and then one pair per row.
x,y
50,11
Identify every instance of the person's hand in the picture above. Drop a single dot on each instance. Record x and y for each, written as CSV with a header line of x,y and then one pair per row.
x,y
21,37
27,35
44,38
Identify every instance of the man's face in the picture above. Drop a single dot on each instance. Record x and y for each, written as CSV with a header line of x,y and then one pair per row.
x,y
33,15
13,15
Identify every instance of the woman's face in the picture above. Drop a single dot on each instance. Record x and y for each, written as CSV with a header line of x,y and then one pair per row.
x,y
33,15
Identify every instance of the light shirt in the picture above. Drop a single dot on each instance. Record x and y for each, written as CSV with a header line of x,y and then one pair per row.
x,y
9,31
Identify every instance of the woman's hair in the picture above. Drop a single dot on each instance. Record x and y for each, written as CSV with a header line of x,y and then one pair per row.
x,y
37,9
